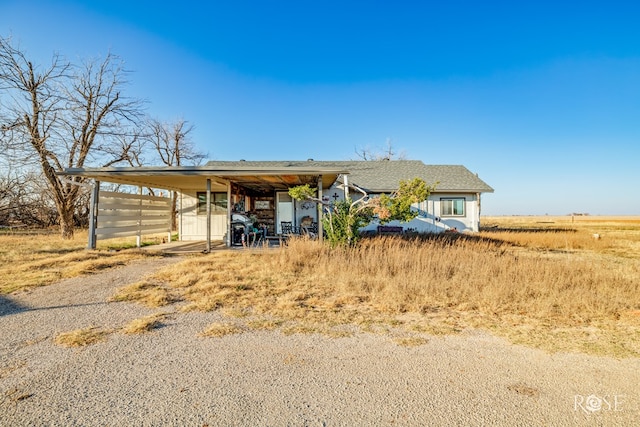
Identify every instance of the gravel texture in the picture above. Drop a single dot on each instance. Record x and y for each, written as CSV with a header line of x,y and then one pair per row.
x,y
173,376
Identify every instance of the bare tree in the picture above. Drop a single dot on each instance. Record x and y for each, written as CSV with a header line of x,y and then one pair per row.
x,y
173,145
134,146
25,201
10,187
64,116
385,153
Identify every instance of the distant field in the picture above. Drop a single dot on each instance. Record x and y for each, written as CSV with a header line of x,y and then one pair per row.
x,y
613,235
562,219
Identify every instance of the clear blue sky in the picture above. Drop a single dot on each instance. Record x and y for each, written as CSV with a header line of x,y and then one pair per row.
x,y
541,100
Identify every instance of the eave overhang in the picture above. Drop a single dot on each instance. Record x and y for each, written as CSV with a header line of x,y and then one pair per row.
x,y
193,178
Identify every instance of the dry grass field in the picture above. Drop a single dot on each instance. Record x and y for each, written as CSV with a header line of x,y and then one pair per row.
x,y
617,236
28,260
556,283
540,281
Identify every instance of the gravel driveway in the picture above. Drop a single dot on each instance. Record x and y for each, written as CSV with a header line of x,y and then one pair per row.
x,y
172,376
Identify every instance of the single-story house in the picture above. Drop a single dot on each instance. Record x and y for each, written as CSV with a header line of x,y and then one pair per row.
x,y
237,190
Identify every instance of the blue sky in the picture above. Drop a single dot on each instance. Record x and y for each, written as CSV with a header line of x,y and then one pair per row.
x,y
542,100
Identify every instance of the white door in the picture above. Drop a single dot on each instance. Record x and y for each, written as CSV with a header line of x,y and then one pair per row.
x,y
284,210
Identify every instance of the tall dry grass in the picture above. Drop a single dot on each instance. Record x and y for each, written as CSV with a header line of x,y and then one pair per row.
x,y
422,275
556,290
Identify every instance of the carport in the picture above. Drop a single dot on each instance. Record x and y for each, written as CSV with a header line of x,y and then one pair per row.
x,y
130,215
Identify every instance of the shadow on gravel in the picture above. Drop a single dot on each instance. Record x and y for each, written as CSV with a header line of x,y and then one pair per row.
x,y
8,306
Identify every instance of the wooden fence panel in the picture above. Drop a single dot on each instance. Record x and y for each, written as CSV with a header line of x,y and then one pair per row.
x,y
122,215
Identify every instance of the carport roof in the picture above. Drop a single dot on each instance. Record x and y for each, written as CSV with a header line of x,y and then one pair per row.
x,y
193,178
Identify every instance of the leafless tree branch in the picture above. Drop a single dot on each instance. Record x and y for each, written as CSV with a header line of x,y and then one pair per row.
x,y
65,116
388,152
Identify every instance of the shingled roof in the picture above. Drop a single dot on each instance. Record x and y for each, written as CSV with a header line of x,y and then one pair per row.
x,y
384,175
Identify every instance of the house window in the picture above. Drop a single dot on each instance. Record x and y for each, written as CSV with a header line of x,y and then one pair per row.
x,y
218,202
451,207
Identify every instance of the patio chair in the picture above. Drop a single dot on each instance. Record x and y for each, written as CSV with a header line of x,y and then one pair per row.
x,y
287,228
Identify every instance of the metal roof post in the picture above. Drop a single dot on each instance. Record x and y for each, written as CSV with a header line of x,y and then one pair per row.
x,y
139,222
229,215
320,210
93,214
208,215
345,178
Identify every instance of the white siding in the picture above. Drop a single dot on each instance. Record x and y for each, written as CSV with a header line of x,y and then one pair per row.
x,y
468,222
430,219
194,225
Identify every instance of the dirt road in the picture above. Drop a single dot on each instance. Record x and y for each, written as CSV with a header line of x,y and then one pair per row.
x,y
172,376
